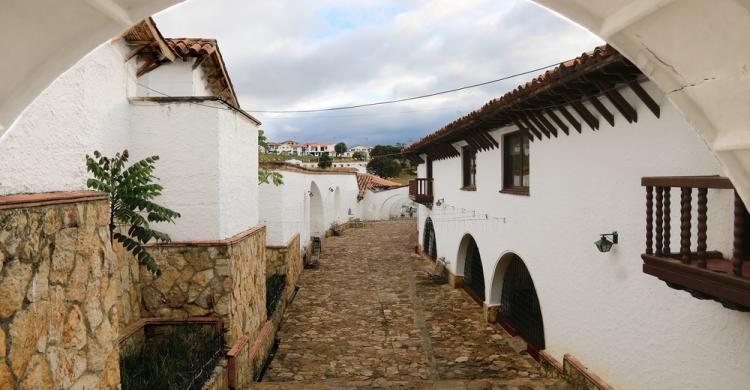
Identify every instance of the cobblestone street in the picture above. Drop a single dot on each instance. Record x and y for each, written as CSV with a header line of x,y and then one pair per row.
x,y
369,317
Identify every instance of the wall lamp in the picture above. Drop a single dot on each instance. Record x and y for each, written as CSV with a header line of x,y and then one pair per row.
x,y
331,189
440,202
603,244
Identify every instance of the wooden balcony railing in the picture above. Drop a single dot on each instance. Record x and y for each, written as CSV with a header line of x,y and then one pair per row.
x,y
705,273
420,191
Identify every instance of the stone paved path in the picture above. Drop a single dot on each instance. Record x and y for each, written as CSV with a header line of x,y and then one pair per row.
x,y
369,317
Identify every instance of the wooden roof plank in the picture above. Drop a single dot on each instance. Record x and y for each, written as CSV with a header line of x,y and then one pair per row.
x,y
645,98
545,122
531,127
587,116
608,116
558,121
570,118
538,124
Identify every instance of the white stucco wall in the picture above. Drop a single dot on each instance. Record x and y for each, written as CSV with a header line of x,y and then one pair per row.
x,y
384,205
173,79
208,155
238,172
208,165
289,209
628,327
86,109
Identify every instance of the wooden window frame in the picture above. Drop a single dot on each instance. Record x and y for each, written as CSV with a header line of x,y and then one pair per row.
x,y
507,174
468,174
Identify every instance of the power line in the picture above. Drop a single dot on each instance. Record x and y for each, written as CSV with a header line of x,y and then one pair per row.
x,y
409,98
384,102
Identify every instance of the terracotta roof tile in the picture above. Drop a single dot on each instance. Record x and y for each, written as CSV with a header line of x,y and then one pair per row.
x,y
366,181
586,62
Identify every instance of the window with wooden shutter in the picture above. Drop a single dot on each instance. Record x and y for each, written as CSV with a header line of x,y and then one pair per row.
x,y
469,167
515,164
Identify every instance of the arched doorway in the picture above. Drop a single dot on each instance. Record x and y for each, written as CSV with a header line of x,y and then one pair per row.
x,y
429,245
519,304
472,267
317,215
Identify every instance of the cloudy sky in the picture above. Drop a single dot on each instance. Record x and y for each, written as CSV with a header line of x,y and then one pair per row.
x,y
301,54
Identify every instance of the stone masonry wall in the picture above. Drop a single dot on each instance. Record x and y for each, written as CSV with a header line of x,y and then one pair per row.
x,y
211,278
65,293
285,259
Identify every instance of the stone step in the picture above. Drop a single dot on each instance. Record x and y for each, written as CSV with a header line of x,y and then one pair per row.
x,y
448,384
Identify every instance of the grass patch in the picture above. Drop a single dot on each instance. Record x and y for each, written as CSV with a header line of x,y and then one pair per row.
x,y
177,357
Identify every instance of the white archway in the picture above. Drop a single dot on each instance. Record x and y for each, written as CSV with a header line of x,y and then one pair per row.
x,y
496,283
317,220
391,207
512,288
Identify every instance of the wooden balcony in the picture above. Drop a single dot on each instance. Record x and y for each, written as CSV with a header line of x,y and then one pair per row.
x,y
704,273
420,191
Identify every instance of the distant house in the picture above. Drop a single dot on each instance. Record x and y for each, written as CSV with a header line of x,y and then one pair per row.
x,y
361,148
313,149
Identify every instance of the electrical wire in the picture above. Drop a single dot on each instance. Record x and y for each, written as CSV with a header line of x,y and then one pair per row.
x,y
438,93
384,102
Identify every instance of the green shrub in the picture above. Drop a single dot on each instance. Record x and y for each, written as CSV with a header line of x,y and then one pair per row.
x,y
182,357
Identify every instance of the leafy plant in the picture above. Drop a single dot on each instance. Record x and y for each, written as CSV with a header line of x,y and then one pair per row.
x,y
325,161
267,177
262,141
264,175
340,148
131,191
386,160
359,156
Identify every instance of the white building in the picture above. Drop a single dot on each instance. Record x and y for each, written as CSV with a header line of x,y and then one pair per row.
x,y
382,199
513,197
149,95
311,201
360,148
356,166
288,147
314,149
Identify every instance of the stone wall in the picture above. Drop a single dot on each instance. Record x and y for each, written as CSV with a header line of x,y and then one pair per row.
x,y
65,293
224,278
285,259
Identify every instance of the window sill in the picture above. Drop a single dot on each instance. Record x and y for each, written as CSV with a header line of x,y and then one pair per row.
x,y
469,188
523,191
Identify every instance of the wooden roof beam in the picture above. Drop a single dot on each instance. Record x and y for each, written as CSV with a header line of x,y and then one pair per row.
x,y
552,129
587,116
135,51
645,97
570,118
530,126
538,124
608,116
610,90
558,121
525,131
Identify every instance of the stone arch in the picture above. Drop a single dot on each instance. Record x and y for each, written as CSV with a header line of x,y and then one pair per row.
x,y
469,264
512,287
317,212
429,240
393,205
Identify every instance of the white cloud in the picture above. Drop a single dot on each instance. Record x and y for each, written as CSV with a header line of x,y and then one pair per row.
x,y
287,54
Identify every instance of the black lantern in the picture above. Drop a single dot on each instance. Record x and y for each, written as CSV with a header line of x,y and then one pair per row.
x,y
603,244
